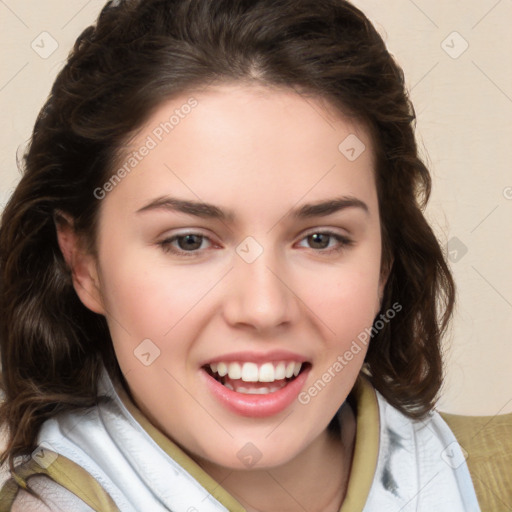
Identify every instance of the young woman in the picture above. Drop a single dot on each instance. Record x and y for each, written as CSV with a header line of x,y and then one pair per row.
x,y
219,291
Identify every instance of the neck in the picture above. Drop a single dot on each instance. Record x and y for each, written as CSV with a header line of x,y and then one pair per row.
x,y
315,480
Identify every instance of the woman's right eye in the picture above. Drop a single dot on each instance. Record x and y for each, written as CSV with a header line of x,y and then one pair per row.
x,y
188,244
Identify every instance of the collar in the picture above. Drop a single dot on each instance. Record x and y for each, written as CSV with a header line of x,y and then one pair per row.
x,y
364,462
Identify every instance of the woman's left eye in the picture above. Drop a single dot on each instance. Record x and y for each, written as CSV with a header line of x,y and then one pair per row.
x,y
189,244
318,238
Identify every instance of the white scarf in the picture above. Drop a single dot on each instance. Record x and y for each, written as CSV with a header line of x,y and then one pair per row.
x,y
420,466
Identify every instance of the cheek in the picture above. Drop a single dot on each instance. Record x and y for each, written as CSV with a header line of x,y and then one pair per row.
x,y
347,302
344,299
147,295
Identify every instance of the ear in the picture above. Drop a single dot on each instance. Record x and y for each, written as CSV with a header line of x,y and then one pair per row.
x,y
82,264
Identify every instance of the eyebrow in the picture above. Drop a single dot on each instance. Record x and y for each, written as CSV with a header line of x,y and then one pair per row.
x,y
210,211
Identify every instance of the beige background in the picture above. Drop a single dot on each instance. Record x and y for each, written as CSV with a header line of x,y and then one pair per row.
x,y
456,58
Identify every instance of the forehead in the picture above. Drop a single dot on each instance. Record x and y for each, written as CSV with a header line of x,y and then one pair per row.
x,y
245,112
249,141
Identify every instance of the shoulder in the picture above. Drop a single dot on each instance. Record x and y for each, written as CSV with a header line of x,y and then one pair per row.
x,y
53,483
420,465
49,497
486,442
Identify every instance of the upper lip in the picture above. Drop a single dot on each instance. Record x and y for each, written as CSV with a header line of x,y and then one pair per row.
x,y
257,357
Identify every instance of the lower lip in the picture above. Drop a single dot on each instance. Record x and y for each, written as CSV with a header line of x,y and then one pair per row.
x,y
257,406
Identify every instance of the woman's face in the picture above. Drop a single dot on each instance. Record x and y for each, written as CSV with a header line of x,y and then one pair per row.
x,y
255,289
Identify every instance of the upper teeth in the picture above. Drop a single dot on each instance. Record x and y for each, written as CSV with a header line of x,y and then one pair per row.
x,y
251,372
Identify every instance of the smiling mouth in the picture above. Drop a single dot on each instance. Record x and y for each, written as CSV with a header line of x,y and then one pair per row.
x,y
253,379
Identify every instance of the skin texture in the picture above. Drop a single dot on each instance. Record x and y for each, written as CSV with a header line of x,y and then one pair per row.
x,y
259,152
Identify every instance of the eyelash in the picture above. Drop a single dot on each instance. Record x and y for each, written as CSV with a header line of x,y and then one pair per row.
x,y
168,248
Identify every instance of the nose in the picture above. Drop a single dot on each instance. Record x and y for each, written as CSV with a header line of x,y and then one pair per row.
x,y
260,294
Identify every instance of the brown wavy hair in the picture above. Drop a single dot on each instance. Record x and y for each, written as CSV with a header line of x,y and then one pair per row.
x,y
138,54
